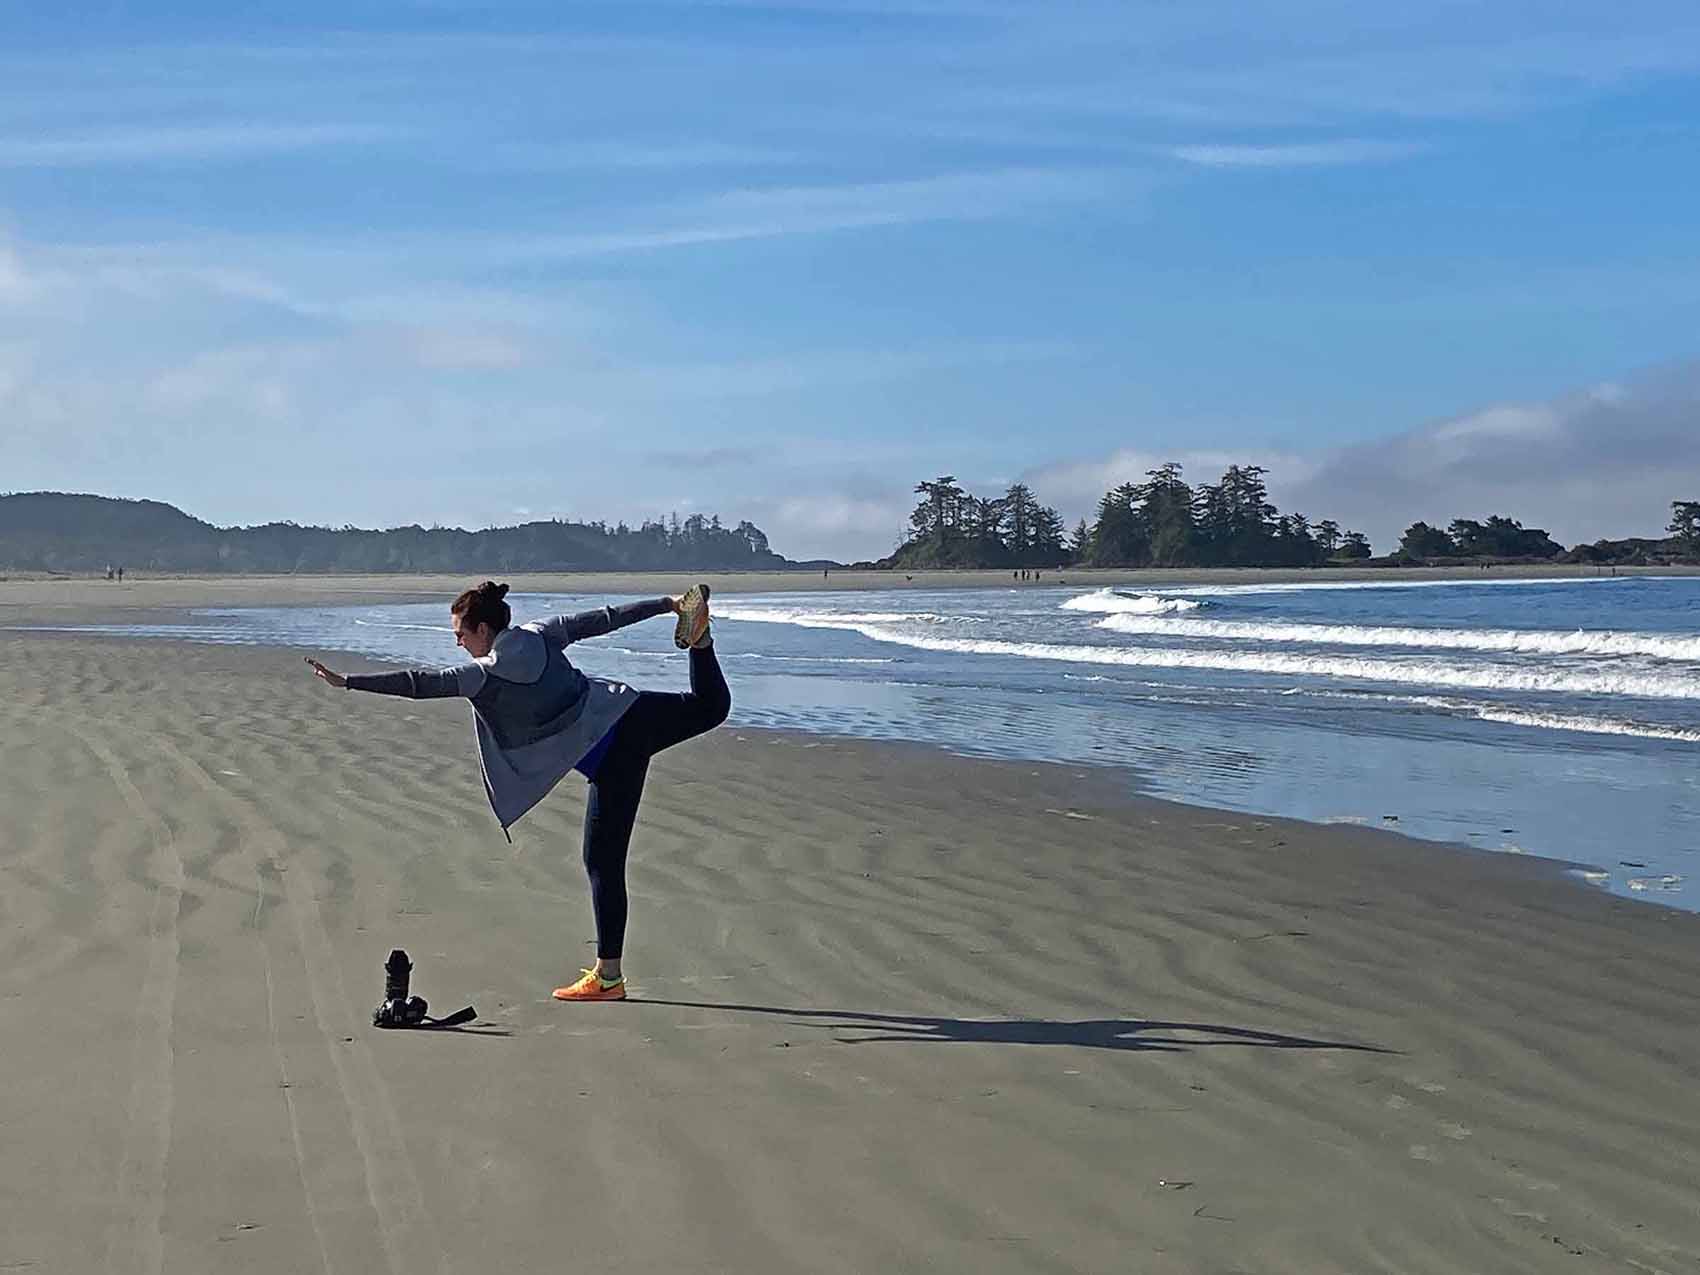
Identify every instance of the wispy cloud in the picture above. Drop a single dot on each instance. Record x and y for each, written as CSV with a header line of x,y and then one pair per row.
x,y
701,458
1297,154
775,212
176,145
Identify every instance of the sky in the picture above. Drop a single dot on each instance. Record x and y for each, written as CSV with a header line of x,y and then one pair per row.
x,y
473,264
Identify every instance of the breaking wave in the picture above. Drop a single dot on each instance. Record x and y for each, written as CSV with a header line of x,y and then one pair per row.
x,y
1130,604
1661,646
1411,671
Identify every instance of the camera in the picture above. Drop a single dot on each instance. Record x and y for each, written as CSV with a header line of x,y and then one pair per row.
x,y
399,1009
402,1010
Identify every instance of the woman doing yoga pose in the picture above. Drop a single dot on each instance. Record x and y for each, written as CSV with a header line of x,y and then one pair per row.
x,y
537,717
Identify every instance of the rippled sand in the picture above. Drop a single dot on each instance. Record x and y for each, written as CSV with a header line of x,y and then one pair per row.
x,y
895,1011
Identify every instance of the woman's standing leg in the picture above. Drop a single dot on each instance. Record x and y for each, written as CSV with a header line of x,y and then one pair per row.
x,y
655,721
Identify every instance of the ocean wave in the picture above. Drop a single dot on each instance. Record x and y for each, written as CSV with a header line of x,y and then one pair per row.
x,y
1332,586
1130,604
396,624
1664,646
1419,672
802,615
1582,723
1538,719
808,659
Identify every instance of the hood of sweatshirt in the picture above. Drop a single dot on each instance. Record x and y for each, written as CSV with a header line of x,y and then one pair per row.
x,y
518,655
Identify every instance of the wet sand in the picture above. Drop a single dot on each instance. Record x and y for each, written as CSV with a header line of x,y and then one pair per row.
x,y
894,1010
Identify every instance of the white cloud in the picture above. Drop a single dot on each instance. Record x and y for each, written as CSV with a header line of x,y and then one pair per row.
x,y
829,524
1297,154
1602,461
776,212
464,349
150,145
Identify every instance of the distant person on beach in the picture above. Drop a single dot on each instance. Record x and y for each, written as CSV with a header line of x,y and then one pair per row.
x,y
537,717
120,575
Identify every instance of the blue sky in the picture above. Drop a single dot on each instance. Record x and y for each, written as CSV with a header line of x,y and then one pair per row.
x,y
479,263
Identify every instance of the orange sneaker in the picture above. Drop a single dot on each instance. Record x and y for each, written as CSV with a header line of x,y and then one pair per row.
x,y
592,988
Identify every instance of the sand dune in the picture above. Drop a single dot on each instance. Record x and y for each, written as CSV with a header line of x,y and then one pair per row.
x,y
896,1011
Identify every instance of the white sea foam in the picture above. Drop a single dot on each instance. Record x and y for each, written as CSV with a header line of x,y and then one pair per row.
x,y
1664,646
1130,604
807,659
1412,671
393,624
1542,720
1488,712
1330,586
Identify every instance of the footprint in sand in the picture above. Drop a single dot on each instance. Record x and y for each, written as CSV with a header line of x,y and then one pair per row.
x,y
1456,1132
1397,1103
1425,1153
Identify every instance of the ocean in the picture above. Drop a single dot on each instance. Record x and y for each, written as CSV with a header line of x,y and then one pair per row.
x,y
1550,717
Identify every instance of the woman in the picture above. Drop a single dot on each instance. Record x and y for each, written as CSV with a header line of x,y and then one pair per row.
x,y
537,717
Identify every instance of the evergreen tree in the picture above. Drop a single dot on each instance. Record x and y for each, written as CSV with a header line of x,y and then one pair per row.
x,y
1685,524
1423,541
1119,536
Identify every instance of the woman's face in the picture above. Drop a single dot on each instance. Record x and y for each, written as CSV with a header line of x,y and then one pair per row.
x,y
476,640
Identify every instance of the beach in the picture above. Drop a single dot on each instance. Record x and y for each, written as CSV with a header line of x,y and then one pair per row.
x,y
1174,1039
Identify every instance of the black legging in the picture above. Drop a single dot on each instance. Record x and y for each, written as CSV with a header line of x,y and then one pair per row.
x,y
656,720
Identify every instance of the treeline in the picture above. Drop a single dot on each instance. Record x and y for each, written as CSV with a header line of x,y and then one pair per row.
x,y
1506,538
1161,522
53,531
1465,538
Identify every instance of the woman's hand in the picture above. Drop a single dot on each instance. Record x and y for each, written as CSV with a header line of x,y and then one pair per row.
x,y
335,679
676,605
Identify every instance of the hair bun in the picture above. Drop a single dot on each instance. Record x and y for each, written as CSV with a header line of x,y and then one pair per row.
x,y
492,589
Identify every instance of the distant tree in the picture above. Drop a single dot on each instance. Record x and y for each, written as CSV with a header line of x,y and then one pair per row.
x,y
1166,513
1685,524
1119,536
1020,524
1423,541
1501,538
939,512
1354,545
1080,543
1048,536
1327,535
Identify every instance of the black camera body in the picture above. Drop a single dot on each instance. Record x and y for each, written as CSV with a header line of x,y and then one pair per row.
x,y
401,1013
401,1010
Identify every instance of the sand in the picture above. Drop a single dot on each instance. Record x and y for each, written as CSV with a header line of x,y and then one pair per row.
x,y
894,1011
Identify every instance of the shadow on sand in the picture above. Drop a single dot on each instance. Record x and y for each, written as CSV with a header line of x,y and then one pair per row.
x,y
1128,1034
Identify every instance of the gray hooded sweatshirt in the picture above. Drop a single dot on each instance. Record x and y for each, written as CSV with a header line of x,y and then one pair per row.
x,y
535,715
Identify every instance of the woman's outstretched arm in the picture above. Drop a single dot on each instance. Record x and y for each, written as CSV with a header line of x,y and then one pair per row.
x,y
463,680
570,628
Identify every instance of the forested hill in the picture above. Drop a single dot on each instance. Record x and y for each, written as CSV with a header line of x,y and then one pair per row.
x,y
56,531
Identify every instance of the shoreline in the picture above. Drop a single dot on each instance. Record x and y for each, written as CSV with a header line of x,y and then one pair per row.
x,y
167,592
1161,1036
